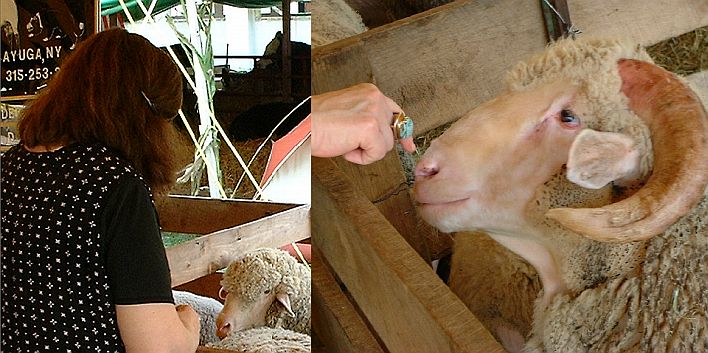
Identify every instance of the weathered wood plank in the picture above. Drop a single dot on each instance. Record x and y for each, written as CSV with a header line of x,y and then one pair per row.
x,y
646,22
200,215
410,308
441,63
206,254
438,64
334,318
384,182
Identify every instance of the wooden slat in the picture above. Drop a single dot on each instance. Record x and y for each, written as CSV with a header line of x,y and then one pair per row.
x,y
334,318
378,182
199,215
410,308
441,63
646,22
438,64
206,254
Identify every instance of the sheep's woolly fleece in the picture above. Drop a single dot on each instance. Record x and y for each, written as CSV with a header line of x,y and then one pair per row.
x,y
591,65
266,340
640,297
265,269
662,309
207,309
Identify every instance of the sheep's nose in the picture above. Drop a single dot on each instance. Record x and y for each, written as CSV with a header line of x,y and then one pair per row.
x,y
426,168
223,329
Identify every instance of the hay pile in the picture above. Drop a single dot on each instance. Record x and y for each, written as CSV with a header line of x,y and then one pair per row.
x,y
683,55
230,168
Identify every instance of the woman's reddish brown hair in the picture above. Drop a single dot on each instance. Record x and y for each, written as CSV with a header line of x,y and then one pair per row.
x,y
97,96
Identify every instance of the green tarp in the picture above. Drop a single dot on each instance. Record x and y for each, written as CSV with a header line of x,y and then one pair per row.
x,y
110,7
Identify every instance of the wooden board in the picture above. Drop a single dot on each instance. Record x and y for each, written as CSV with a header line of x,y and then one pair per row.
x,y
334,319
410,308
206,254
438,64
646,22
200,215
383,182
441,63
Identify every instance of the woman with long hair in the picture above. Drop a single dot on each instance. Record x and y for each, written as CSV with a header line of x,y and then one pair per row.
x,y
83,265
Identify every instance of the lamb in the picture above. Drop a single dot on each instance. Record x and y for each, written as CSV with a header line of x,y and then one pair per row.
x,y
602,192
266,287
207,308
266,340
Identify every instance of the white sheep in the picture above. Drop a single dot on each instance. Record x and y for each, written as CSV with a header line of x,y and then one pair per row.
x,y
333,20
266,287
207,308
266,340
593,168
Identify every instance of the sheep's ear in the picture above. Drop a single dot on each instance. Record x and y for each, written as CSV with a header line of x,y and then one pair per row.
x,y
597,158
284,298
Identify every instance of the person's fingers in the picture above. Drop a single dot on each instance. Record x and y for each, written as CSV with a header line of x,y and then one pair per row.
x,y
408,144
392,105
356,156
386,136
373,144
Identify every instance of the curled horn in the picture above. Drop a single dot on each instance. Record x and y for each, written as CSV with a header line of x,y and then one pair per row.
x,y
679,130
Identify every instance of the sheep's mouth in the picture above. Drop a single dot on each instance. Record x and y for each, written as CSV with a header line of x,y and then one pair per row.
x,y
442,204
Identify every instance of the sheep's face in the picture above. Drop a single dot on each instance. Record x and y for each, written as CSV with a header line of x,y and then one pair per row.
x,y
482,174
238,315
484,169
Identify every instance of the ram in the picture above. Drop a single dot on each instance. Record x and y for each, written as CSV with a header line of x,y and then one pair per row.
x,y
593,168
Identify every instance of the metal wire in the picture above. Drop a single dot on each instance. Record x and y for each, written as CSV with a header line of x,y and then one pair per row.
x,y
571,29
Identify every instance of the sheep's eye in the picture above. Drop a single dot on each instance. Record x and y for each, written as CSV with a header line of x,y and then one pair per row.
x,y
267,291
567,116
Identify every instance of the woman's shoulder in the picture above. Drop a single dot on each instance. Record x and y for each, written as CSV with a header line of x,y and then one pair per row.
x,y
101,163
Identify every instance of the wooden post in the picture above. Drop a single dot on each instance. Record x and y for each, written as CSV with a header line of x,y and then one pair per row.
x,y
287,52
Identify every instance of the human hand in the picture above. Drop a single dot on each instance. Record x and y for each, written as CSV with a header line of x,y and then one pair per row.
x,y
190,320
355,123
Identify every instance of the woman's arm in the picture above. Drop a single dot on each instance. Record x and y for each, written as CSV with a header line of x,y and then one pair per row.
x,y
158,328
354,123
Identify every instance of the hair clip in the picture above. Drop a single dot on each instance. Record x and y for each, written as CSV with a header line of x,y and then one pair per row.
x,y
149,102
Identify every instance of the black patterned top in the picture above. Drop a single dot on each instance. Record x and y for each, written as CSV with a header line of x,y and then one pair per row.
x,y
79,235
